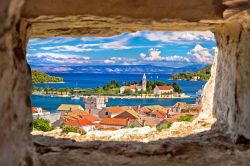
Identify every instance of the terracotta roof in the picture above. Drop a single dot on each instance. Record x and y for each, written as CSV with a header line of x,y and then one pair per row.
x,y
160,114
91,118
151,121
110,128
35,108
114,121
172,119
98,126
165,87
136,108
69,107
77,112
78,122
197,107
131,114
154,108
115,110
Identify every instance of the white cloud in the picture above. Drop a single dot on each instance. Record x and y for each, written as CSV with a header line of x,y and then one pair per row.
x,y
143,55
116,58
113,60
59,58
154,55
66,48
176,58
62,69
179,37
108,61
200,54
53,69
116,45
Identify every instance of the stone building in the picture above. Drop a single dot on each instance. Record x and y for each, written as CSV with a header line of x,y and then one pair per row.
x,y
95,102
225,97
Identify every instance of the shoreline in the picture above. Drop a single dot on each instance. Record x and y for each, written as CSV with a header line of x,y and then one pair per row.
x,y
120,97
49,83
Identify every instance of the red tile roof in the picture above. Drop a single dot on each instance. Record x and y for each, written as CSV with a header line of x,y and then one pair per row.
x,y
197,107
165,87
173,119
115,110
110,128
114,121
35,108
160,114
98,126
91,118
129,113
78,122
77,112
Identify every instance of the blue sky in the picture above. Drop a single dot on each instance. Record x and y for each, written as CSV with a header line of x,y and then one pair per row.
x,y
173,49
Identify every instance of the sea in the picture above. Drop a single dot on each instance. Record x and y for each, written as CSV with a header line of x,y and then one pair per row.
x,y
87,80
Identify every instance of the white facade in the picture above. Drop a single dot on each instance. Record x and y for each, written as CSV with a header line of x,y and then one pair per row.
x,y
158,91
88,128
144,82
39,111
135,87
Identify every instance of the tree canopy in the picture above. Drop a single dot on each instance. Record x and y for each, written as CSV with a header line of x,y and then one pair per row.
x,y
40,77
203,74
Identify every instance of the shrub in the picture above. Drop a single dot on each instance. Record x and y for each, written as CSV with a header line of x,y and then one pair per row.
x,y
133,126
166,125
74,129
42,125
185,118
186,111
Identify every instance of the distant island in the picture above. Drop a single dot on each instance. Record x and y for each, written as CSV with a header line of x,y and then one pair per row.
x,y
143,88
40,77
202,74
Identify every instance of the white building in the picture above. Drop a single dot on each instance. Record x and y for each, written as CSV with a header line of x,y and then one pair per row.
x,y
39,111
144,82
95,102
136,87
159,90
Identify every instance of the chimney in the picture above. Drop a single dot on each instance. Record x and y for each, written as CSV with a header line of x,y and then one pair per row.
x,y
127,120
143,122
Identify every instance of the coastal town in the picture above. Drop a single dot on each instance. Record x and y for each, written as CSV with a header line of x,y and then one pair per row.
x,y
97,116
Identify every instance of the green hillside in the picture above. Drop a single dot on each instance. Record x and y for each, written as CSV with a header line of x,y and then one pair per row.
x,y
40,77
203,74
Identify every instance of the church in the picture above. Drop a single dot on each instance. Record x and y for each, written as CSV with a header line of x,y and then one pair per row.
x,y
136,87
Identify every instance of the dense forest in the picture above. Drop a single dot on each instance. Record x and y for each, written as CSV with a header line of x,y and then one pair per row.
x,y
203,74
40,77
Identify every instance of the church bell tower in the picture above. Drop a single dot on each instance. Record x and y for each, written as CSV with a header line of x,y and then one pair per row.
x,y
144,82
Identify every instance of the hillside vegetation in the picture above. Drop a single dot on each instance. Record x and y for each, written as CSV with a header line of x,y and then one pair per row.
x,y
40,77
203,74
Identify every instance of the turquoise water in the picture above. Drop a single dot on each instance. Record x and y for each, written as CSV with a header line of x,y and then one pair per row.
x,y
52,103
83,80
94,80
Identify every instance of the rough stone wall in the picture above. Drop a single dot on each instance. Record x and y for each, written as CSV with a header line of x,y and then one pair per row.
x,y
208,94
15,88
231,99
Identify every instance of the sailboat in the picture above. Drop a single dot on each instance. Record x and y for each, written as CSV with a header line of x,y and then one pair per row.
x,y
76,96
